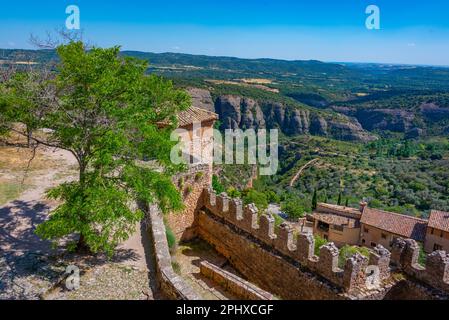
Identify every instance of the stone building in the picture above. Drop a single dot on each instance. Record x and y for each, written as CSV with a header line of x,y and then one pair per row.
x,y
382,227
196,135
338,224
370,227
437,236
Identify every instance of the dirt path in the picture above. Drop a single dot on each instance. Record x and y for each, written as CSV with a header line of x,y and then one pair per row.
x,y
296,177
19,218
29,265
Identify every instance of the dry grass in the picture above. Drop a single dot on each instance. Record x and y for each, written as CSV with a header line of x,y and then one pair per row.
x,y
19,166
9,190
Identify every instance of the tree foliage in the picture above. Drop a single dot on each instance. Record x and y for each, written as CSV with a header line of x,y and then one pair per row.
x,y
103,109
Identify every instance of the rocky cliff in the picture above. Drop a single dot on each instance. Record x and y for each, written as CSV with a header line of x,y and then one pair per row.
x,y
413,123
245,113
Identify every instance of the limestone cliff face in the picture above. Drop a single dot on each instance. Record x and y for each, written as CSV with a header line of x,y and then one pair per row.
x,y
244,113
434,112
411,122
236,112
201,98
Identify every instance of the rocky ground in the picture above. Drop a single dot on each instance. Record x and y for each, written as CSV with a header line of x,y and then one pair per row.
x,y
29,267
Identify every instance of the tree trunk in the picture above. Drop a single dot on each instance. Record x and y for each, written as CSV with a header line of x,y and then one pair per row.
x,y
82,246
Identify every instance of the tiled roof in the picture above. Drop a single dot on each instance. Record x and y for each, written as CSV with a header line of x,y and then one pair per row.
x,y
341,209
399,224
439,220
195,115
335,219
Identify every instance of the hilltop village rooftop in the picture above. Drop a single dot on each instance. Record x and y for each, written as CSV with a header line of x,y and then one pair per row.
x,y
370,227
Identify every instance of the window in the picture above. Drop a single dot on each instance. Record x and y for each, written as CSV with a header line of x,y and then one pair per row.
x,y
373,244
338,228
437,247
323,226
384,236
363,241
432,230
442,234
366,230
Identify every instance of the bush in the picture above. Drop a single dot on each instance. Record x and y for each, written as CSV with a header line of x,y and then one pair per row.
x,y
278,221
422,259
171,238
258,198
234,193
176,267
199,176
294,208
216,185
348,251
319,242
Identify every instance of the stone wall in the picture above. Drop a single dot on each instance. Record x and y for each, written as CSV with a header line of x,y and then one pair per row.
x,y
284,263
231,283
405,255
170,284
258,265
191,184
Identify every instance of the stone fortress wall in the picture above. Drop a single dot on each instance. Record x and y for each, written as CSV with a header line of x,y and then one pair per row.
x,y
283,262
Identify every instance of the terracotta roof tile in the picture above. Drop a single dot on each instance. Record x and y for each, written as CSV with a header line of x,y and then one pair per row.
x,y
341,209
399,224
439,220
195,115
335,219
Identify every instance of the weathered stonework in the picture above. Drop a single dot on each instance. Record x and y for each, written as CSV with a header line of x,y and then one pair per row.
x,y
171,285
191,185
285,264
234,284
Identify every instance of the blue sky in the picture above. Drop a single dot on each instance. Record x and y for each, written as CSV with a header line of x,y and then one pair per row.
x,y
414,32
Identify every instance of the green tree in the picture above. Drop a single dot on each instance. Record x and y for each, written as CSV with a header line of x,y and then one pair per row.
x,y
339,198
315,200
294,208
28,99
256,197
216,185
107,113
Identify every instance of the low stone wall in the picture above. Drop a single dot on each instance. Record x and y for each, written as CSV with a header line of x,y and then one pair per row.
x,y
405,255
263,267
234,284
171,284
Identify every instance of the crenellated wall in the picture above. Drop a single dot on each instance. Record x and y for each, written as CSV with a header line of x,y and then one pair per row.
x,y
405,255
257,247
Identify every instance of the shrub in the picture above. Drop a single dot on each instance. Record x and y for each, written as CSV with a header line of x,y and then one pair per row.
x,y
171,238
234,193
176,267
199,176
319,242
294,208
216,185
348,251
258,198
277,221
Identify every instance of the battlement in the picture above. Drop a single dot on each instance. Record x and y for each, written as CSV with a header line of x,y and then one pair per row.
x,y
405,255
355,274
